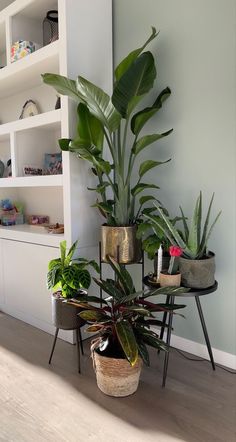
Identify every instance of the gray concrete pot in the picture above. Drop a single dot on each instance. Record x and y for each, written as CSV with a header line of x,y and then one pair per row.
x,y
198,273
65,316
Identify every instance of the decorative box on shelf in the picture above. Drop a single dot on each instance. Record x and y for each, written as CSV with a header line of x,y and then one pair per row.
x,y
22,48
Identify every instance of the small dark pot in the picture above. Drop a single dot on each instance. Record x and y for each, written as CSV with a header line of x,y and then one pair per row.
x,y
65,316
121,243
198,273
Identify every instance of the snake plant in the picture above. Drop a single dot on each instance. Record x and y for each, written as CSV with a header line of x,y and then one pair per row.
x,y
111,121
192,239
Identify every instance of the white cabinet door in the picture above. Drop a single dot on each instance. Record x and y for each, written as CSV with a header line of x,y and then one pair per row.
x,y
24,267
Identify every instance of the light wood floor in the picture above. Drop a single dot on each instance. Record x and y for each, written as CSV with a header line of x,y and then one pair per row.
x,y
54,404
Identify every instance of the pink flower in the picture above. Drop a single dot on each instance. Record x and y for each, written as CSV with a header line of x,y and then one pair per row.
x,y
175,251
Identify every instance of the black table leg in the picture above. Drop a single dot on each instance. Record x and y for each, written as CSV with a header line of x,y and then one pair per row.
x,y
164,320
53,345
166,361
78,347
205,331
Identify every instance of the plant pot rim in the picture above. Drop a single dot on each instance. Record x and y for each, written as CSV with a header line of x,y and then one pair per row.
x,y
129,226
206,257
139,360
165,272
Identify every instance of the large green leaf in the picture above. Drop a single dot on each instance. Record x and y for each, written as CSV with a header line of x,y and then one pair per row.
x,y
125,64
63,85
137,80
149,164
64,144
99,104
127,341
89,127
142,186
147,140
139,120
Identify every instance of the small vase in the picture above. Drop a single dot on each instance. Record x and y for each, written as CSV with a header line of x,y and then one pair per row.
x,y
167,280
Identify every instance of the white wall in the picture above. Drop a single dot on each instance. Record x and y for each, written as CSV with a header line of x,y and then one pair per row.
x,y
196,56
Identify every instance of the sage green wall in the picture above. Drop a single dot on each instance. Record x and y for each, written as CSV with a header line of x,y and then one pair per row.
x,y
196,57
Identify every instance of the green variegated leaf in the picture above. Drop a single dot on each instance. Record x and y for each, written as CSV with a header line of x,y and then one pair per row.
x,y
143,351
127,341
93,316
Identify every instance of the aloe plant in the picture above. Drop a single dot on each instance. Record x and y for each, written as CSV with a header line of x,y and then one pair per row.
x,y
124,320
68,275
102,118
192,239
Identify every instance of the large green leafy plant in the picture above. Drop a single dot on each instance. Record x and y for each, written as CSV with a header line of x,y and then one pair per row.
x,y
68,275
124,320
113,119
193,238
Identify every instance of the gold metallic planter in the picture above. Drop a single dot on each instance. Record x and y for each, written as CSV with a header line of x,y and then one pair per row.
x,y
121,244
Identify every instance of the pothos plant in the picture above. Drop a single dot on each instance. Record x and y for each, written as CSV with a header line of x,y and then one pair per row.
x,y
68,274
124,320
115,121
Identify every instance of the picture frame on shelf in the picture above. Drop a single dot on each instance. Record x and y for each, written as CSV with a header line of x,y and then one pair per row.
x,y
53,164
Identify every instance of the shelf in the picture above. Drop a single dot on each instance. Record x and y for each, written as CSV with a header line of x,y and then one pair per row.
x,y
52,119
31,234
26,73
34,181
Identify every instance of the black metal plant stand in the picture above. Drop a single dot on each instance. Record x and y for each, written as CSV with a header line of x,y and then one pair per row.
x,y
196,293
141,262
79,345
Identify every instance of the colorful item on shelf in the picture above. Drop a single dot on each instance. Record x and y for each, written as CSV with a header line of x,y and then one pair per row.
x,y
38,220
53,164
22,48
11,213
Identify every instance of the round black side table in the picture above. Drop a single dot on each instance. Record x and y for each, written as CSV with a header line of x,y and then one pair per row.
x,y
170,299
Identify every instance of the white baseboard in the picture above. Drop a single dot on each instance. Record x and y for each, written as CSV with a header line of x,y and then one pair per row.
x,y
220,357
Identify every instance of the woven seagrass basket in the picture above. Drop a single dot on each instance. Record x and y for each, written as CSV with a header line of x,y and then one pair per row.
x,y
116,377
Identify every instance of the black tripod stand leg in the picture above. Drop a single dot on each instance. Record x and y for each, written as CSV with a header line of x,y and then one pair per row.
x,y
78,347
204,329
53,345
81,342
166,361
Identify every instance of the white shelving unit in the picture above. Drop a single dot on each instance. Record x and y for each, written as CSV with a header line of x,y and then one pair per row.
x,y
84,47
